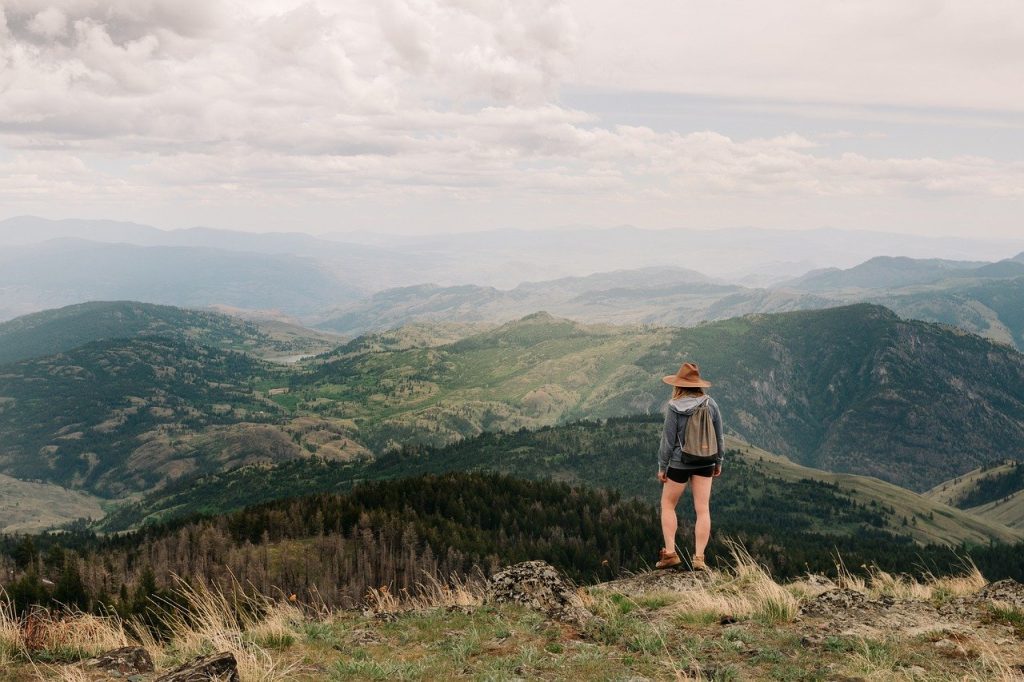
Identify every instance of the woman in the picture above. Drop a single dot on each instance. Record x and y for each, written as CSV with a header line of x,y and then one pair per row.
x,y
676,467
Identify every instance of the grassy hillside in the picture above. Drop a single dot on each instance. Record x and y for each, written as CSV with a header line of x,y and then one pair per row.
x,y
54,331
995,493
758,493
31,507
1007,510
981,485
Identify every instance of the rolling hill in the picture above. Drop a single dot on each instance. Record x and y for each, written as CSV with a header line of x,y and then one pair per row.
x,y
53,331
993,492
111,415
852,389
32,507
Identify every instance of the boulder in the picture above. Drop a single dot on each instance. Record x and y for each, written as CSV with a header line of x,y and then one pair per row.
x,y
1009,592
221,667
832,601
539,586
128,660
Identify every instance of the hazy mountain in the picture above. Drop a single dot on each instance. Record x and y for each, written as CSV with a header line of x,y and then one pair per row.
x,y
882,272
24,230
507,258
65,271
53,331
739,252
951,292
669,296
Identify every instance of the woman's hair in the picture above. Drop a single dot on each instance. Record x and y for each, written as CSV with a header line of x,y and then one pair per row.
x,y
680,391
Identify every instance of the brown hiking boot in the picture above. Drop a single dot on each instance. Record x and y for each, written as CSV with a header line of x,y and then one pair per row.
x,y
698,563
667,559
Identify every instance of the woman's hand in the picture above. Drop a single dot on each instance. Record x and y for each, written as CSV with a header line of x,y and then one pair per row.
x,y
718,471
662,476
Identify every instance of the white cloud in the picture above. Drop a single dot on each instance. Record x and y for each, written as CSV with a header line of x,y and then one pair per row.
x,y
207,101
923,53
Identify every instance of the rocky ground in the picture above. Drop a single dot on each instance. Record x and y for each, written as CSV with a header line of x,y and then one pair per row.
x,y
527,623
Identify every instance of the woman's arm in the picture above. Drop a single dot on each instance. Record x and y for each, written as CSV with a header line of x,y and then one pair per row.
x,y
716,420
668,437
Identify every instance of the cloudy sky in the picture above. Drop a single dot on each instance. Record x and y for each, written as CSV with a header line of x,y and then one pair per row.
x,y
452,115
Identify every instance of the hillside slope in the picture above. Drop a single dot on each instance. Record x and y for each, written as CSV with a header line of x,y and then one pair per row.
x,y
32,507
857,389
852,389
91,418
53,331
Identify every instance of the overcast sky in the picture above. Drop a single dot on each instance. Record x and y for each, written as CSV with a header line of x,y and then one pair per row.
x,y
434,115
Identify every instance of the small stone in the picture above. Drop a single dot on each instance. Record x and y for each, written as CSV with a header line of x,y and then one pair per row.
x,y
127,659
945,645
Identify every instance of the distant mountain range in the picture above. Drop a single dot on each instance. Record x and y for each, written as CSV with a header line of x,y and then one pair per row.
x,y
507,258
987,299
66,271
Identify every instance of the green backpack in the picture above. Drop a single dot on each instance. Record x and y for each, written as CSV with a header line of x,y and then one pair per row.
x,y
700,439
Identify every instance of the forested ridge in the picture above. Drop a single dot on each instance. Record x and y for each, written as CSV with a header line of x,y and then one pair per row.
x,y
389,533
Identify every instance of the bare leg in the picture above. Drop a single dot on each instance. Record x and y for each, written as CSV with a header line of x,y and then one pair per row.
x,y
670,493
701,489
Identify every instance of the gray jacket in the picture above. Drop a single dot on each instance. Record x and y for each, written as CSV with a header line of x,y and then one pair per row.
x,y
677,413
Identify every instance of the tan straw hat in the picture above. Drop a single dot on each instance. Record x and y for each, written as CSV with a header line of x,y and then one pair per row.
x,y
687,376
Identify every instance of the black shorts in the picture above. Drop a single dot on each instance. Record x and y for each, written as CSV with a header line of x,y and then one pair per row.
x,y
683,475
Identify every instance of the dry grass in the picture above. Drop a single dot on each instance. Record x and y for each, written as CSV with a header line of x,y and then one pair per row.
x,y
244,625
743,590
69,635
11,644
877,583
454,592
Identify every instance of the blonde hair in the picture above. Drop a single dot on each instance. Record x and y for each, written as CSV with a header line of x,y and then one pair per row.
x,y
680,391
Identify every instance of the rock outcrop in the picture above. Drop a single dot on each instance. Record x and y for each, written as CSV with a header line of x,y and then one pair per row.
x,y
539,586
221,667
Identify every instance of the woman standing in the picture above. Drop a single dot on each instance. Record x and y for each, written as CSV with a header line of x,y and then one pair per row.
x,y
676,467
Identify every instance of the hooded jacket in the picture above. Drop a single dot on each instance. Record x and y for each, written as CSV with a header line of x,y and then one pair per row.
x,y
677,413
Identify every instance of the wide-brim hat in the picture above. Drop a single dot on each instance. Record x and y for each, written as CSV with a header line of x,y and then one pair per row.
x,y
688,376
